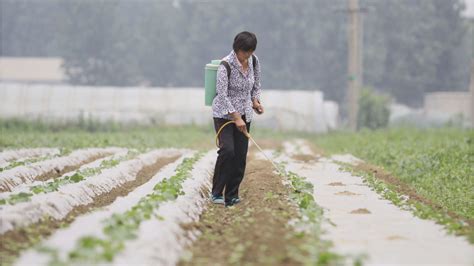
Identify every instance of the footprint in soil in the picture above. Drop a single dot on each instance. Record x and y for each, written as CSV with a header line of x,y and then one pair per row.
x,y
360,211
346,193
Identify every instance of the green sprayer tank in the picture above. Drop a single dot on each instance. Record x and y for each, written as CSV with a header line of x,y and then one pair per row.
x,y
210,75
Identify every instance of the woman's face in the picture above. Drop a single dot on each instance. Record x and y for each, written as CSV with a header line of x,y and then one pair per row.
x,y
244,55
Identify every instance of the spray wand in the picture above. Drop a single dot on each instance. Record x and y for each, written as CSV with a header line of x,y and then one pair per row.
x,y
254,142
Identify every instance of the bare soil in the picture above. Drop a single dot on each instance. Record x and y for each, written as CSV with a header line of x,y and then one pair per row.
x,y
361,211
253,232
346,193
306,158
266,144
335,184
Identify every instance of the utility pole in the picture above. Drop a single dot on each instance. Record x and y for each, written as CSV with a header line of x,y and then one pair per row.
x,y
354,61
472,72
472,93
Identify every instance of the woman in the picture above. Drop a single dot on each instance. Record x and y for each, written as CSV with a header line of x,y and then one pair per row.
x,y
237,94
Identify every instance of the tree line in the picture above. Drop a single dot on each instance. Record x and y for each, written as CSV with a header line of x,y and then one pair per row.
x,y
410,46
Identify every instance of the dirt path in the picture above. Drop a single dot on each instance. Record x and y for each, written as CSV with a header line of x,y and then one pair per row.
x,y
254,232
365,223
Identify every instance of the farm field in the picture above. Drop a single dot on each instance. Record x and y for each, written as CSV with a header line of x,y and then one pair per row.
x,y
360,150
435,167
106,194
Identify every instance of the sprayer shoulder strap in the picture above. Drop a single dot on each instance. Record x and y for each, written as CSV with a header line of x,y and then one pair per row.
x,y
227,66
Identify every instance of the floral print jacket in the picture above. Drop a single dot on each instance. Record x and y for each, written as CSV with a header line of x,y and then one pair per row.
x,y
242,89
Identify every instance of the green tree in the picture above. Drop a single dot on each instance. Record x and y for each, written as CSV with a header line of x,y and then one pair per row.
x,y
411,46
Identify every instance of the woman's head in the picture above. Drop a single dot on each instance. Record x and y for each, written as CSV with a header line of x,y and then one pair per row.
x,y
245,42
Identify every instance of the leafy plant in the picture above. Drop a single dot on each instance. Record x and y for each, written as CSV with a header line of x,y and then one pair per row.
x,y
30,161
77,177
373,110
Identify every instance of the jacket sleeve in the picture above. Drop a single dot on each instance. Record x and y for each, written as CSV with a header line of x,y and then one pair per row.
x,y
223,105
255,93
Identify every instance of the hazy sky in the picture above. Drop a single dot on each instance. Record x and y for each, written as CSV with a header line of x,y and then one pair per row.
x,y
470,8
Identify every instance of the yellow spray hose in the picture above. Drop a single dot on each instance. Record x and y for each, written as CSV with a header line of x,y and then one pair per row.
x,y
250,137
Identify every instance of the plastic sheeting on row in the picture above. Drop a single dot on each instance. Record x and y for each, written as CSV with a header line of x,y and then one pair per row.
x,y
59,204
28,173
8,156
65,239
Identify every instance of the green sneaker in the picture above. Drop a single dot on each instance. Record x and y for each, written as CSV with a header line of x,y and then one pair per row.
x,y
232,202
217,199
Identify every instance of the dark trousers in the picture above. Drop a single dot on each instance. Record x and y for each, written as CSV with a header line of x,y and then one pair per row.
x,y
231,161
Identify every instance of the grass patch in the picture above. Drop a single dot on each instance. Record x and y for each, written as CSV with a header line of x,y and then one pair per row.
x,y
31,134
21,134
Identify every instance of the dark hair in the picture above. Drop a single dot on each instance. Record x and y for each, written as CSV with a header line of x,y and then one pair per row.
x,y
245,41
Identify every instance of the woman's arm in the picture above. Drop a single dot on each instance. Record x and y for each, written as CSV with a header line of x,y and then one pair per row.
x,y
255,93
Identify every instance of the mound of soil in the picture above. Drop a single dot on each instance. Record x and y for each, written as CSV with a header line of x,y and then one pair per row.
x,y
334,184
361,211
346,193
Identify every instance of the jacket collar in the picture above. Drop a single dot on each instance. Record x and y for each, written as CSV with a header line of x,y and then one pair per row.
x,y
235,61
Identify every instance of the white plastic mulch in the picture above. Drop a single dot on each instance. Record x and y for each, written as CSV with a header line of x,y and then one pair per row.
x,y
8,156
159,242
26,187
60,203
28,173
365,223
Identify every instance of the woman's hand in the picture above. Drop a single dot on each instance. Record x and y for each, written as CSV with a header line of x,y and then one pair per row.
x,y
257,107
239,122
